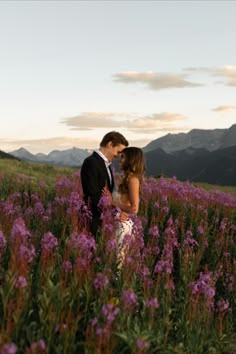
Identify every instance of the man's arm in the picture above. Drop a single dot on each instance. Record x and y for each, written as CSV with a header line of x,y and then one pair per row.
x,y
90,182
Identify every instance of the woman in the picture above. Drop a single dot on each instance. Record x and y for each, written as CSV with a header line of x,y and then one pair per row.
x,y
126,197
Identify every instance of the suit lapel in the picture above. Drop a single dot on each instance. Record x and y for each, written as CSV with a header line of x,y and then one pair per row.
x,y
106,175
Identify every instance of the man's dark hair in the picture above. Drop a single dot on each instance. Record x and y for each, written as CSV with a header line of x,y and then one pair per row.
x,y
116,139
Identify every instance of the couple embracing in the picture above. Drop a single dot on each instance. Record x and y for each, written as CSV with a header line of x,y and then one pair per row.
x,y
98,180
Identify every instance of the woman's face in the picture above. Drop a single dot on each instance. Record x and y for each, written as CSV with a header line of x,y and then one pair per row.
x,y
121,160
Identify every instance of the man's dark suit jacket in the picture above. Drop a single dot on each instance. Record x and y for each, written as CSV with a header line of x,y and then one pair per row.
x,y
94,177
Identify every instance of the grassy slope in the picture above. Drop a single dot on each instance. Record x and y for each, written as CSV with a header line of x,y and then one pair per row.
x,y
208,187
49,173
37,172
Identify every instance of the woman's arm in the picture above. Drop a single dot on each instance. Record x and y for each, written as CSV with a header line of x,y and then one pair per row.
x,y
133,197
133,192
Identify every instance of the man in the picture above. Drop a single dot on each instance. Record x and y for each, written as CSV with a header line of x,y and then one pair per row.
x,y
96,173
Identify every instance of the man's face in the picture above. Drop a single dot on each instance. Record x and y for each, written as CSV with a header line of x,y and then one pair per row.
x,y
114,151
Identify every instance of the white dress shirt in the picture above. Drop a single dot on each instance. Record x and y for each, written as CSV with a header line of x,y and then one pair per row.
x,y
107,163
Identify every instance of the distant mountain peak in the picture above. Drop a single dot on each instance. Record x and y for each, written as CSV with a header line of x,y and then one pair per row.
x,y
24,154
71,157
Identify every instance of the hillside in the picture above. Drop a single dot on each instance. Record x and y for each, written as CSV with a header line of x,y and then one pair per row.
x,y
200,165
4,155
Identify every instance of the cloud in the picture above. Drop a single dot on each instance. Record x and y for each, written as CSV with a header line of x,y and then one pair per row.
x,y
131,122
224,108
155,81
157,122
92,120
227,72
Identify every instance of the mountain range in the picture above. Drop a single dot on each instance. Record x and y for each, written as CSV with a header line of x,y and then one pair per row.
x,y
210,140
200,155
69,158
195,165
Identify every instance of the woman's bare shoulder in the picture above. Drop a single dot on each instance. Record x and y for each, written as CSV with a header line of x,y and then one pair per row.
x,y
133,179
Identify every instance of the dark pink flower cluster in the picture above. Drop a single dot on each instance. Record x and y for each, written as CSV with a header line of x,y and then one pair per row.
x,y
48,244
3,243
19,233
129,299
37,347
204,286
101,281
9,348
222,306
83,244
152,303
110,312
20,282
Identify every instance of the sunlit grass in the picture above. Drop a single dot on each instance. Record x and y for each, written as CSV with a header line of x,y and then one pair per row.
x,y
210,187
35,171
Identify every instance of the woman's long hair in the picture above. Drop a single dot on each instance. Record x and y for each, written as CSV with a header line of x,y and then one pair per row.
x,y
134,165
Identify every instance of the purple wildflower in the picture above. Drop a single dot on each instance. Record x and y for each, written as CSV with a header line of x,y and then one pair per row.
x,y
111,245
110,312
26,254
200,230
141,344
93,321
29,212
129,299
9,209
84,243
100,332
152,303
20,282
100,282
10,348
222,305
19,233
165,210
104,202
189,240
48,243
108,228
223,224
75,203
154,231
204,287
67,266
37,347
164,266
3,242
39,209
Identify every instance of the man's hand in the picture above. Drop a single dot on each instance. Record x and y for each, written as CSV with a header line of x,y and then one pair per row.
x,y
106,193
123,216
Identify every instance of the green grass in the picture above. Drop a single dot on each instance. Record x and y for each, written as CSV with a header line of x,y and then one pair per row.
x,y
208,187
36,172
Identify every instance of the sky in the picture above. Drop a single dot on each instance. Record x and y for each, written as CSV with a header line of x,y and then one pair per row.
x,y
71,71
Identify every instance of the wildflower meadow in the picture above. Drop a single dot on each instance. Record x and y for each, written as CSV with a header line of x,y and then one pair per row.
x,y
62,291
